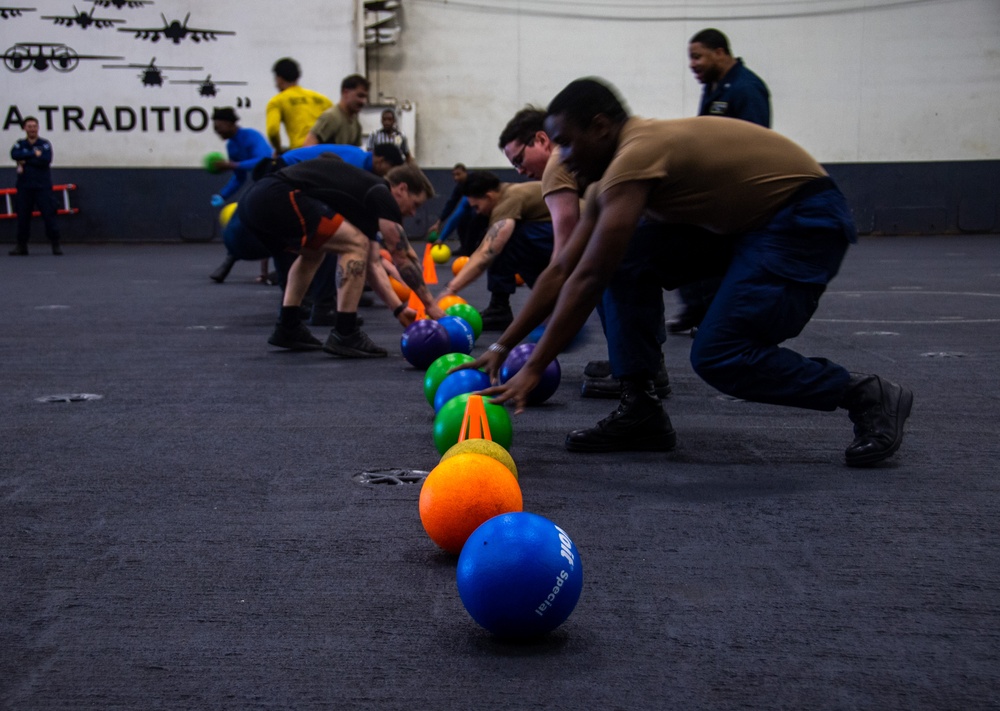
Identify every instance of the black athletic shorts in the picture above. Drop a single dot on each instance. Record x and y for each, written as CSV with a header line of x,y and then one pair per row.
x,y
283,218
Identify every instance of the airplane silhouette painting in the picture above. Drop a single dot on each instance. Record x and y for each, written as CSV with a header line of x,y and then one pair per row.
x,y
120,4
83,19
175,31
8,12
207,87
151,75
42,55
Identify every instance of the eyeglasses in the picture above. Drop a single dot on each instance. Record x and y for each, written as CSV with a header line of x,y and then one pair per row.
x,y
518,159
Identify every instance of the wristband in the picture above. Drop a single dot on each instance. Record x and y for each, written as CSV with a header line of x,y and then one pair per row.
x,y
497,348
398,310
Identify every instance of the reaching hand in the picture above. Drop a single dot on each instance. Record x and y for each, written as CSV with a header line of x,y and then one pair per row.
x,y
489,362
406,317
515,390
435,312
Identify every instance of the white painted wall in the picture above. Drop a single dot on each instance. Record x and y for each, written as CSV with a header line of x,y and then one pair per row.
x,y
852,80
319,34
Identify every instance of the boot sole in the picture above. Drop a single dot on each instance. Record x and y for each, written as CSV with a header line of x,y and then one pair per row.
x,y
352,353
902,414
662,443
296,345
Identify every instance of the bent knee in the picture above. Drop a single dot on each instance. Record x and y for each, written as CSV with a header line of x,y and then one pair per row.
x,y
720,364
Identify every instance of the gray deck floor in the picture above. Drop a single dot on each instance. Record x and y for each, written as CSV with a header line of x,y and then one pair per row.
x,y
198,538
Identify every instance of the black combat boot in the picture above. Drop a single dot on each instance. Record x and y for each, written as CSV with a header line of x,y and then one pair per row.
x,y
878,410
497,316
639,424
604,386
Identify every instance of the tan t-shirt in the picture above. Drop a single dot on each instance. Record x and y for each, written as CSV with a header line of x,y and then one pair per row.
x,y
723,175
556,177
333,126
520,201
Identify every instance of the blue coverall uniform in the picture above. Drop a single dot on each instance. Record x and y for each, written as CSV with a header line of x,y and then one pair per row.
x,y
34,188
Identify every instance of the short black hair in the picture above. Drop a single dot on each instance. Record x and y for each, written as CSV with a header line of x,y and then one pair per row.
x,y
389,152
288,69
479,183
225,113
583,99
713,39
28,118
353,81
523,127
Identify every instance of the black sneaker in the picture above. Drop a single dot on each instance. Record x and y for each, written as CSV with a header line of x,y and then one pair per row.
x,y
56,249
355,345
497,318
297,338
19,251
878,409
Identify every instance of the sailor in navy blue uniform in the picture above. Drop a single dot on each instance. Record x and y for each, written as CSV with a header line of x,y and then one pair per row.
x,y
33,155
729,89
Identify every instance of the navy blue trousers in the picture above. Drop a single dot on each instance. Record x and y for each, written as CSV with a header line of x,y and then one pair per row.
x,y
526,253
771,282
25,201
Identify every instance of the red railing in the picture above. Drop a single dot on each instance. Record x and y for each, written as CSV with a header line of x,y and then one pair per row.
x,y
66,208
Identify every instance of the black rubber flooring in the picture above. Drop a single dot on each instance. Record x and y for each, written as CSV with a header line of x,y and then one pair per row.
x,y
200,538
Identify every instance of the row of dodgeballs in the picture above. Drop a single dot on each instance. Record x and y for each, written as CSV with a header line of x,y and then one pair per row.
x,y
519,575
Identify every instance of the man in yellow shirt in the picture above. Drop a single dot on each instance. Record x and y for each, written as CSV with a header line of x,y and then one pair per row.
x,y
295,107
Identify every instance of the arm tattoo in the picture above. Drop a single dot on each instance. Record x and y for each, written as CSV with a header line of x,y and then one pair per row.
x,y
404,243
411,273
491,236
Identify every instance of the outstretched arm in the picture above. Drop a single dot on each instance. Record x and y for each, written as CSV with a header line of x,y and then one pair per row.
x,y
408,265
378,279
541,300
488,250
608,224
564,206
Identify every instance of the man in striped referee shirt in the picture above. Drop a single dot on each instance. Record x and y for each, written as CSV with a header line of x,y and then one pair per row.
x,y
390,133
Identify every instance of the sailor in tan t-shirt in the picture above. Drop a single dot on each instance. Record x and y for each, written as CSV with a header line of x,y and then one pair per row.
x,y
528,148
518,242
698,197
340,123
